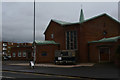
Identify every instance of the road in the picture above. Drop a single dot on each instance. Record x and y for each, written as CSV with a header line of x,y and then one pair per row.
x,y
34,76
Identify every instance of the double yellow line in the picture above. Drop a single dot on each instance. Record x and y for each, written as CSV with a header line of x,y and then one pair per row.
x,y
59,76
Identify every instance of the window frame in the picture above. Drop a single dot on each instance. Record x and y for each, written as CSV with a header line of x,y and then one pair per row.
x,y
52,35
24,52
44,52
13,54
20,54
71,40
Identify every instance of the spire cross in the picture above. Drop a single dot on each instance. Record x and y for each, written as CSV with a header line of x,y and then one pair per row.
x,y
81,15
81,6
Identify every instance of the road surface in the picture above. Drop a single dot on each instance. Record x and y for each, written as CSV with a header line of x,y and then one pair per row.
x,y
12,75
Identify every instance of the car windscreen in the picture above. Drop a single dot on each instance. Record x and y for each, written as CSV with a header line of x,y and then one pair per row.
x,y
64,53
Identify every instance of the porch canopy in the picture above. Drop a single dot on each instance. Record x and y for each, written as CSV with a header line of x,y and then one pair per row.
x,y
111,39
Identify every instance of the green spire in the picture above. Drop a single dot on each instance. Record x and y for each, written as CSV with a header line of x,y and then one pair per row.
x,y
81,16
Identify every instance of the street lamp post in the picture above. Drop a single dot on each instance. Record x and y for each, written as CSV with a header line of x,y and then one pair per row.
x,y
34,46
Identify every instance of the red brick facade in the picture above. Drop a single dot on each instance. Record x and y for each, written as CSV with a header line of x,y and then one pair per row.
x,y
45,53
59,36
90,30
95,55
27,49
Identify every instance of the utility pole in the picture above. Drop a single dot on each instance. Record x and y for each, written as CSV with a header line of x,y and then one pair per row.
x,y
34,45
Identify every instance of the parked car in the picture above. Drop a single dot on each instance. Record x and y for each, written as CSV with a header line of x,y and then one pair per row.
x,y
65,57
6,57
9,57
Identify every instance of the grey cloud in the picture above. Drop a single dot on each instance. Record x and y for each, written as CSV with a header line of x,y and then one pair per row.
x,y
18,16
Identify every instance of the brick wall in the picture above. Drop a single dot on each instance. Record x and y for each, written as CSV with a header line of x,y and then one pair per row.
x,y
91,30
28,51
94,50
49,49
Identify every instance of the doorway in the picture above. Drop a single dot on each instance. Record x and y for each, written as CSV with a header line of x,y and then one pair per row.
x,y
104,54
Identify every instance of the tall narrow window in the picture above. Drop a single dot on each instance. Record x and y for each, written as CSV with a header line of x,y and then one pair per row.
x,y
52,36
19,54
105,33
13,54
75,40
24,54
71,40
67,40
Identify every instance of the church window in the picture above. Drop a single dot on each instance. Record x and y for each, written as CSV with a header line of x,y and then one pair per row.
x,y
52,36
71,40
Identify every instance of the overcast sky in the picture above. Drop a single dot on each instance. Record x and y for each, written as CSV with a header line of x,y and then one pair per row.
x,y
17,17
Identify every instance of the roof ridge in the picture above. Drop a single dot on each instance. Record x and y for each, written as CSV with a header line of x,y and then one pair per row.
x,y
70,23
60,21
94,18
99,16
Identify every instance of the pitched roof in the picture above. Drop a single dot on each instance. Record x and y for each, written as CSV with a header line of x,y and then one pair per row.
x,y
61,22
45,42
99,16
68,23
111,39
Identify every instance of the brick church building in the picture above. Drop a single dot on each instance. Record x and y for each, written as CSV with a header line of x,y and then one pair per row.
x,y
91,38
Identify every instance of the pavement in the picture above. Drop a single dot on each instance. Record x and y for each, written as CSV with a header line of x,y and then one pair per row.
x,y
26,63
105,71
